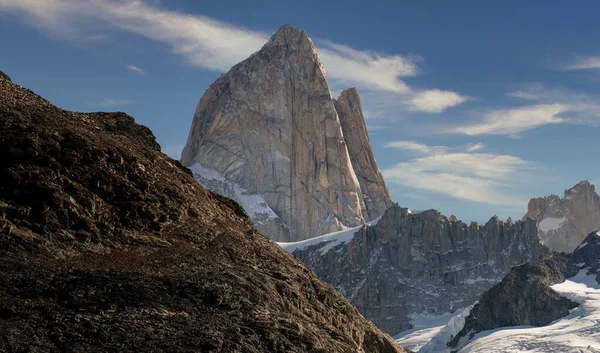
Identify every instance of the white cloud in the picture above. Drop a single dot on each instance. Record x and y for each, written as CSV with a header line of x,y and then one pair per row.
x,y
416,147
472,147
585,63
137,70
479,177
545,106
111,102
514,121
217,45
372,70
435,100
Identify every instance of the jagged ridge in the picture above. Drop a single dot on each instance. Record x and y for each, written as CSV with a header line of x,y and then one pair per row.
x,y
421,263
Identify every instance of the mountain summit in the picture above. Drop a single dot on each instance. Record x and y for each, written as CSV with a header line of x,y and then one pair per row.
x,y
269,134
564,222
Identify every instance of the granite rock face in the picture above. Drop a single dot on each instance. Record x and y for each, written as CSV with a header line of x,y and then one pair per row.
x,y
375,193
267,134
421,263
565,221
109,245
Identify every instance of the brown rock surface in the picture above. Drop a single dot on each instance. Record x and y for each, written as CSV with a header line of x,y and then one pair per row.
x,y
109,245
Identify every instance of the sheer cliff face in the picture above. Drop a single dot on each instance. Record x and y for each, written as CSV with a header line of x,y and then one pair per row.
x,y
268,135
565,222
421,263
376,194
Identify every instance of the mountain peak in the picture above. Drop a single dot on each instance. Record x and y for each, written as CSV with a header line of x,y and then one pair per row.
x,y
583,185
294,39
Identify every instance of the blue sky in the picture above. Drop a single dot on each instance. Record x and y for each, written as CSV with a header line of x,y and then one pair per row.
x,y
472,107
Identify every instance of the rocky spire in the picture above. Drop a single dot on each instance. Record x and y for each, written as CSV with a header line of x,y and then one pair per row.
x,y
376,194
267,134
565,221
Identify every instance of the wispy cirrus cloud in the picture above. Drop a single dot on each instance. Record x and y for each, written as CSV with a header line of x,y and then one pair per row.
x,y
216,45
584,63
137,70
110,102
514,121
544,106
459,173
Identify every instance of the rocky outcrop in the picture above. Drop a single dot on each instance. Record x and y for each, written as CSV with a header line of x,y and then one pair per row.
x,y
420,263
108,245
565,221
4,76
375,192
267,133
525,296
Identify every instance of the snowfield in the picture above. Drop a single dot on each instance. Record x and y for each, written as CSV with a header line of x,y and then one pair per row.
x,y
425,327
577,332
327,241
551,224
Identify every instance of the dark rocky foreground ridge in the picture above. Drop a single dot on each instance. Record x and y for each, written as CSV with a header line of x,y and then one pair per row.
x,y
109,245
525,296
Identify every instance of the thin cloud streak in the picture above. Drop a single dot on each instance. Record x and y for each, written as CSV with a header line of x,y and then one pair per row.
x,y
111,102
137,70
514,121
478,177
215,45
585,63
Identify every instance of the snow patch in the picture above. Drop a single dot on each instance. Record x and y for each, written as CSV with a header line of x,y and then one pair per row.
x,y
582,245
550,223
425,327
438,343
253,203
327,241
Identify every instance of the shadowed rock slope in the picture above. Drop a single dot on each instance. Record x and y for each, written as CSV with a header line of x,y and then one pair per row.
x,y
109,245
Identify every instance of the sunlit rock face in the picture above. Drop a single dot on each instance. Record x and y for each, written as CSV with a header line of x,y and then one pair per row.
x,y
565,221
267,134
376,194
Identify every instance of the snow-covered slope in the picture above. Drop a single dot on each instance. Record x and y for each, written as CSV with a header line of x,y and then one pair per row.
x,y
264,218
555,301
328,241
577,332
425,327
